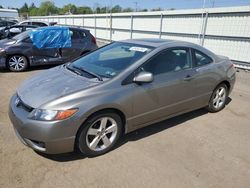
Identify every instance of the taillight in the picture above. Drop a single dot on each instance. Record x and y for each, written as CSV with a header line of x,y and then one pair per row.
x,y
93,40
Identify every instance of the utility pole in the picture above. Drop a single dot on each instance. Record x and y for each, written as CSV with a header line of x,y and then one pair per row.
x,y
213,2
136,6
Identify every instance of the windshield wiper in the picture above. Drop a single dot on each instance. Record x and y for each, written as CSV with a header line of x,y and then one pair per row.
x,y
91,73
73,70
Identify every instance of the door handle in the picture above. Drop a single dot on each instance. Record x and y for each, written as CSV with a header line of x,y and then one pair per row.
x,y
188,78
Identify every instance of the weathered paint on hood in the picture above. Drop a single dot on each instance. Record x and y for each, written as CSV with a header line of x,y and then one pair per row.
x,y
52,84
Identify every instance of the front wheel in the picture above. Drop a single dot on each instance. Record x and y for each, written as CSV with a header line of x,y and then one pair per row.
x,y
99,134
218,98
17,63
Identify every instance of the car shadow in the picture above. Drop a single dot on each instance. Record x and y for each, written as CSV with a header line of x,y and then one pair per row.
x,y
133,136
136,135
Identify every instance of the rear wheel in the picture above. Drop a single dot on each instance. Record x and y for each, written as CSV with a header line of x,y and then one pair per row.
x,y
218,98
99,134
17,63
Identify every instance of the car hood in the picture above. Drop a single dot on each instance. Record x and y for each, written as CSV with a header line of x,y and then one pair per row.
x,y
52,84
7,42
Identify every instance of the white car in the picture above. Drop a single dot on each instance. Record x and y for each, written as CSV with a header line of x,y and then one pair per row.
x,y
37,23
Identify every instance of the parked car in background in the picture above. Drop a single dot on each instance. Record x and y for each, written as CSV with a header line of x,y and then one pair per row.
x,y
16,21
88,104
18,53
37,23
11,31
4,23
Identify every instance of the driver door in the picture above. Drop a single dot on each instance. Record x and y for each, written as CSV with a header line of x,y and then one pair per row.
x,y
171,90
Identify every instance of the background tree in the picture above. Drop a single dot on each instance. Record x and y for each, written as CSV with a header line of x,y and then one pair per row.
x,y
84,10
47,8
117,8
69,9
127,10
24,8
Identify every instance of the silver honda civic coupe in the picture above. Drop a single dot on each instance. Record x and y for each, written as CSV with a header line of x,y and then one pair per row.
x,y
88,104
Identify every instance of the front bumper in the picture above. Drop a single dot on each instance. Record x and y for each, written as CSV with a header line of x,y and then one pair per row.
x,y
52,137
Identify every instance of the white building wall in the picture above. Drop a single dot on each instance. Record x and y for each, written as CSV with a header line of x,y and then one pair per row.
x,y
225,31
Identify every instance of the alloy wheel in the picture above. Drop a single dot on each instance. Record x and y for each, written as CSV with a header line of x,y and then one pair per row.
x,y
101,134
17,63
219,97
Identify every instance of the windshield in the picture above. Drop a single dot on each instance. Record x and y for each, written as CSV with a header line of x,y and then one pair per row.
x,y
22,36
112,59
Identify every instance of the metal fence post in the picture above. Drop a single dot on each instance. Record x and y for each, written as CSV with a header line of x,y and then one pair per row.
x,y
82,21
95,25
160,32
131,26
65,20
110,37
73,21
204,29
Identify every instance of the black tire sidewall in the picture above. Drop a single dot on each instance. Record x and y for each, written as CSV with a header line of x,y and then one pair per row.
x,y
211,107
25,63
81,143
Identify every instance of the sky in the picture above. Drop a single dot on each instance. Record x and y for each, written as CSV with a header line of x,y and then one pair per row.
x,y
149,4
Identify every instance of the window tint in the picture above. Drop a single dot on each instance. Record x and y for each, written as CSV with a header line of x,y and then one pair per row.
x,y
169,61
40,24
3,23
201,59
77,34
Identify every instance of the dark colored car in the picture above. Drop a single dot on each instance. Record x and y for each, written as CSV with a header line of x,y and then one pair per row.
x,y
19,52
11,31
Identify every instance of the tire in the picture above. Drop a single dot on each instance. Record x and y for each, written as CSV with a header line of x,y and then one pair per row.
x,y
95,137
218,99
17,63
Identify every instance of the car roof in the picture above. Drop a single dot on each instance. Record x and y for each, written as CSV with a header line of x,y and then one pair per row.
x,y
77,28
154,42
24,25
34,21
149,41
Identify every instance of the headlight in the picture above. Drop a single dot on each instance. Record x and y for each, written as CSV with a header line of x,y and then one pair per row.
x,y
49,115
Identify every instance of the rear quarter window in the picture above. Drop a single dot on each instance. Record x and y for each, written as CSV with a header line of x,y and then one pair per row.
x,y
75,34
201,59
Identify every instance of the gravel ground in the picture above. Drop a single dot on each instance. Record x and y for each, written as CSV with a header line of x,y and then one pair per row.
x,y
198,149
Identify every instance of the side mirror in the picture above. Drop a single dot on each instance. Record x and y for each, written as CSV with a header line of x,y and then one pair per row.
x,y
143,77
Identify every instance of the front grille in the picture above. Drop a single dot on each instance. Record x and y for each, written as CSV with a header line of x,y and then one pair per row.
x,y
24,106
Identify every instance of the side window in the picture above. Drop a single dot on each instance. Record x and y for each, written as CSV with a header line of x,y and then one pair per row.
x,y
28,28
201,59
39,24
10,23
171,60
27,40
